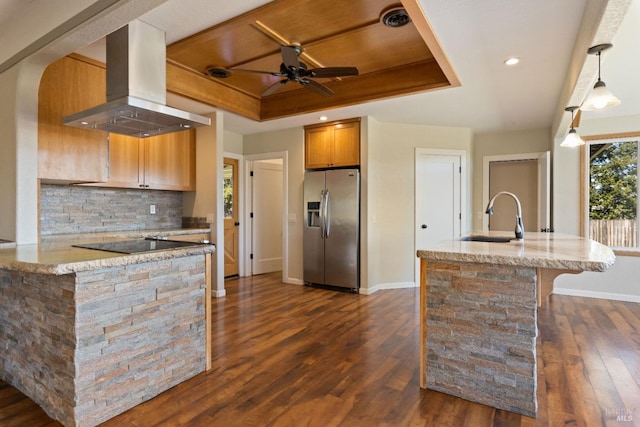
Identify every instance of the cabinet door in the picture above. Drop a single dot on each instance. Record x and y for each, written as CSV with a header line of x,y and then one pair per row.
x,y
126,162
317,153
169,161
346,145
67,154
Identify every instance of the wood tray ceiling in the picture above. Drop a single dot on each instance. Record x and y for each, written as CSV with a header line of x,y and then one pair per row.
x,y
391,61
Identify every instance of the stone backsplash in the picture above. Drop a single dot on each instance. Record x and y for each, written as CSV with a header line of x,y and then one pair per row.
x,y
70,209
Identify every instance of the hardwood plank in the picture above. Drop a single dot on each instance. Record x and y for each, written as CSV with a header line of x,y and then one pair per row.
x,y
292,355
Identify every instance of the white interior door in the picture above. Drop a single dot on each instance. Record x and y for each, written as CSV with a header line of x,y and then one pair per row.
x,y
438,199
267,216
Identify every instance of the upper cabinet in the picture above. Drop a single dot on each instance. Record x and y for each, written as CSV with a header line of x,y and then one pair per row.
x,y
332,145
163,162
71,155
67,154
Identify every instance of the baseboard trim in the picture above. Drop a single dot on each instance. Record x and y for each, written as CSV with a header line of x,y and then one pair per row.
x,y
594,294
386,286
294,281
219,294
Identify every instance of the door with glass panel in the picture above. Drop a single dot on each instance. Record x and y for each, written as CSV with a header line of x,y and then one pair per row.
x,y
231,223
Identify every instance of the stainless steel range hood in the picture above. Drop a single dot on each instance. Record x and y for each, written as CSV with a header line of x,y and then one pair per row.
x,y
136,88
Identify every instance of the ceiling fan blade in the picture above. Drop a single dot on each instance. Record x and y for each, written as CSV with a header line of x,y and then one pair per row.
x,y
273,73
332,72
316,87
290,57
273,88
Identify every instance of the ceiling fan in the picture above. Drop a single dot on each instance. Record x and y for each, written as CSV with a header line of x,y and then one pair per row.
x,y
293,70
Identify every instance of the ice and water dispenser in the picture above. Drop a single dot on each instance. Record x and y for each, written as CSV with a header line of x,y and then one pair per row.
x,y
313,214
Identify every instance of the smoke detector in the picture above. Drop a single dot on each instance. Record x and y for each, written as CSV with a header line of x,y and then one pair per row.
x,y
395,17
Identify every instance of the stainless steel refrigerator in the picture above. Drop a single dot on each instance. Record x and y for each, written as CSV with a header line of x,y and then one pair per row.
x,y
331,249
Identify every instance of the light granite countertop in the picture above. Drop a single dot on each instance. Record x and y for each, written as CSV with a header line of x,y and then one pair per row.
x,y
55,255
545,250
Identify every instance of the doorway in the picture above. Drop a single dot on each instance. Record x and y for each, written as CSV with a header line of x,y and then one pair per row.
x,y
265,247
528,177
231,217
439,197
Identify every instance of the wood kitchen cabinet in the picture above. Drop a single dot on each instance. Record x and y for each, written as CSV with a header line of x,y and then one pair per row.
x,y
335,144
67,154
163,162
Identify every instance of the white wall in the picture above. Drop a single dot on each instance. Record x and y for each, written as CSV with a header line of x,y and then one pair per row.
x,y
233,142
8,161
292,142
620,281
207,199
390,193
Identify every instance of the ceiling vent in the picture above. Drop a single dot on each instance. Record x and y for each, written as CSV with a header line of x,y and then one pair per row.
x,y
395,17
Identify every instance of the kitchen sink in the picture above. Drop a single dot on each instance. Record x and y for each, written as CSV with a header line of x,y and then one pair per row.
x,y
490,239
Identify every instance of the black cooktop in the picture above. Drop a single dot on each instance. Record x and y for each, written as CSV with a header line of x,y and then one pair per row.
x,y
137,246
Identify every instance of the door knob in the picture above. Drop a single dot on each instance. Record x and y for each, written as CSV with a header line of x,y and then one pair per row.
x,y
424,226
236,223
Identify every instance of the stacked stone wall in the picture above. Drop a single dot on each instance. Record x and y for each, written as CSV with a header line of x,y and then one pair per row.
x,y
481,333
88,346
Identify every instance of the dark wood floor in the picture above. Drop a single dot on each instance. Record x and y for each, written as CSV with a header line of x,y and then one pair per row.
x,y
287,355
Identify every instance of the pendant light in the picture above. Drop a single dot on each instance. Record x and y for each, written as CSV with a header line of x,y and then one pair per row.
x,y
600,96
572,139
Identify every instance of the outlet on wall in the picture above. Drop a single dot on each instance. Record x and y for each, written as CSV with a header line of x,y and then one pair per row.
x,y
152,209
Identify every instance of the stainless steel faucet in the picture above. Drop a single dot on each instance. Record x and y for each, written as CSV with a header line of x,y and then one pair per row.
x,y
519,227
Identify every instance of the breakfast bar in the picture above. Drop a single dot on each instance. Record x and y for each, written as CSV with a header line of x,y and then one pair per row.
x,y
478,312
88,334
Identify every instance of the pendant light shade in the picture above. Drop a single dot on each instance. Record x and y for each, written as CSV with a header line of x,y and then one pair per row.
x,y
600,97
572,139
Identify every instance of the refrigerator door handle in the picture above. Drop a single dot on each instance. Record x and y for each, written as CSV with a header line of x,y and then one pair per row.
x,y
321,214
327,217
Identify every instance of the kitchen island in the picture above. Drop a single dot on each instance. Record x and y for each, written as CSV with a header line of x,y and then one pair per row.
x,y
478,313
88,334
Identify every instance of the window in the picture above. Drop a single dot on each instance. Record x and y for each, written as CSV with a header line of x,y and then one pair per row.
x,y
613,192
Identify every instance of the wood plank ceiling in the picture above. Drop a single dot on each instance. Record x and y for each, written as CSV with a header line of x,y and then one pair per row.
x,y
391,61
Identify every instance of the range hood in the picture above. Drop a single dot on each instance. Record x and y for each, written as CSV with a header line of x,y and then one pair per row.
x,y
136,88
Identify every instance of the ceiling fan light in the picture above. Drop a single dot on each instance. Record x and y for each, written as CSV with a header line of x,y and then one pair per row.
x,y
599,98
572,139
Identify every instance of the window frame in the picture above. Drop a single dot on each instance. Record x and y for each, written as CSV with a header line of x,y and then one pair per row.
x,y
584,182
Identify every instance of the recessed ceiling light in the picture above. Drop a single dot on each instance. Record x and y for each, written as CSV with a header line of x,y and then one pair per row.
x,y
323,118
512,61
